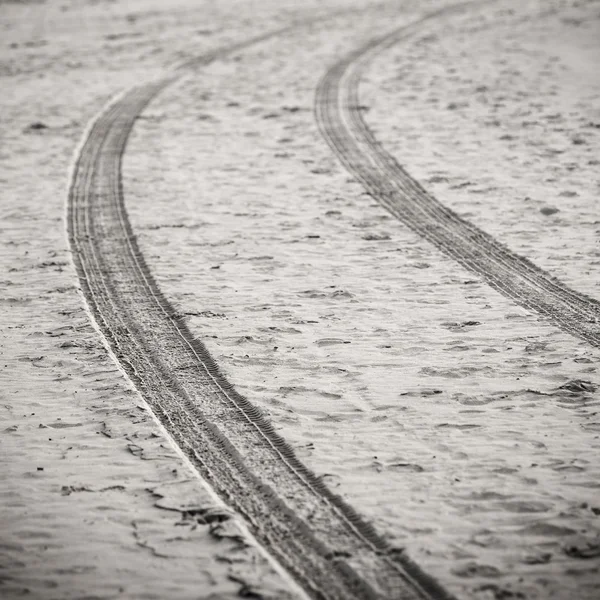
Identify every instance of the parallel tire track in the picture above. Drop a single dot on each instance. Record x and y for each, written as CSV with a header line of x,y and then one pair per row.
x,y
338,113
319,538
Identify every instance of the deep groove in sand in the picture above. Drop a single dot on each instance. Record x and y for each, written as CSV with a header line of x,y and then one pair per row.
x,y
338,114
319,538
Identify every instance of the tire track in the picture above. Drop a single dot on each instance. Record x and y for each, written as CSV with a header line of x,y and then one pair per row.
x,y
338,113
319,538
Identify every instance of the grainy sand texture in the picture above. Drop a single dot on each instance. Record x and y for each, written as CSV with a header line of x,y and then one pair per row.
x,y
237,361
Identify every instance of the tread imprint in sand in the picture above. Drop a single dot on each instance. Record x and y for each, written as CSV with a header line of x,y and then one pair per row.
x,y
339,115
320,539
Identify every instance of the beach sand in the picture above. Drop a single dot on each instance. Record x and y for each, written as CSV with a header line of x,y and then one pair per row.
x,y
462,426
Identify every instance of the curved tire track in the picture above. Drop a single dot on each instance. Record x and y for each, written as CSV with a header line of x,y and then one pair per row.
x,y
338,114
321,540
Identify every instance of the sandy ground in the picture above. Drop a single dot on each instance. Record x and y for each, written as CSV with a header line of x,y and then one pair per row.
x,y
96,503
441,411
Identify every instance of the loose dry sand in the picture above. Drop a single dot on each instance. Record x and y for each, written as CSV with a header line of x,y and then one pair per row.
x,y
436,407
